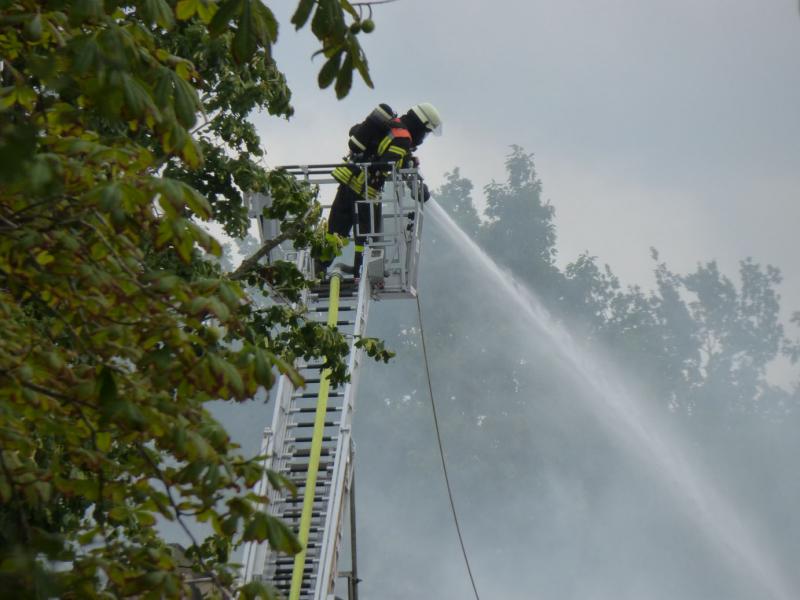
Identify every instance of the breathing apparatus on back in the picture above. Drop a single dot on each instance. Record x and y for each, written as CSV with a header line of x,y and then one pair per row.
x,y
365,136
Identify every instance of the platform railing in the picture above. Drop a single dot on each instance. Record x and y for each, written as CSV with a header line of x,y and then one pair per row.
x,y
393,231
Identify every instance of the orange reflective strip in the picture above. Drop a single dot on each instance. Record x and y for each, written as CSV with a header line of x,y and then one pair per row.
x,y
399,132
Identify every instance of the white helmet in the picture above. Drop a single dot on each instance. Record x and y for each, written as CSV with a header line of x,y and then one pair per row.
x,y
427,113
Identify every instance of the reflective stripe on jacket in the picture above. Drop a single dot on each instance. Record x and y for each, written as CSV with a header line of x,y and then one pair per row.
x,y
394,147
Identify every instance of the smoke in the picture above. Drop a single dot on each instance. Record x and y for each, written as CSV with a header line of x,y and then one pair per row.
x,y
568,484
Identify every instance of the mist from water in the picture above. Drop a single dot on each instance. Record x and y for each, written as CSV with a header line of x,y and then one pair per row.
x,y
626,419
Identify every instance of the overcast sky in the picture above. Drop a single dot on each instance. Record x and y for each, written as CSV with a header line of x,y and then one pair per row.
x,y
668,124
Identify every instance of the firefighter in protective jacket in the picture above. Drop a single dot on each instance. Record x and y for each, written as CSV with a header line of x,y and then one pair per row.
x,y
382,138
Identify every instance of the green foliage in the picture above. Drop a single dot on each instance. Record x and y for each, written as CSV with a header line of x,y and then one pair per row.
x,y
519,225
375,349
455,196
340,45
117,324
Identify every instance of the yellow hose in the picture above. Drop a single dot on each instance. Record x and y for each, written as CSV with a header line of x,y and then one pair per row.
x,y
316,450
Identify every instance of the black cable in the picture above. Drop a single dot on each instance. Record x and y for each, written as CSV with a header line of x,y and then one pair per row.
x,y
441,452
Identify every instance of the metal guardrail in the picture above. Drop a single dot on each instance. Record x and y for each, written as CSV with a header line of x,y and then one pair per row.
x,y
395,225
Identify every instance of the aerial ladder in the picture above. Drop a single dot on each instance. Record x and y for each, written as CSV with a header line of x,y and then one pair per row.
x,y
310,439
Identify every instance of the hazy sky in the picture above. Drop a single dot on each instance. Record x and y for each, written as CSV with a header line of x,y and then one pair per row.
x,y
668,124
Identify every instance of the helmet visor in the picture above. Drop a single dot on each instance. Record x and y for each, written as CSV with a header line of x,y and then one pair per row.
x,y
429,117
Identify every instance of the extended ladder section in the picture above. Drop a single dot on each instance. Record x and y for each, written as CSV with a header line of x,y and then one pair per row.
x,y
310,439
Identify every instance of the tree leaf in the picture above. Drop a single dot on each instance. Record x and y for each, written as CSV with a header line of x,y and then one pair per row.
x,y
185,9
262,526
268,23
360,62
245,41
44,258
281,482
344,80
329,70
193,155
206,10
186,102
280,537
159,12
137,98
196,201
222,18
302,13
103,441
322,23
349,8
263,369
288,370
107,387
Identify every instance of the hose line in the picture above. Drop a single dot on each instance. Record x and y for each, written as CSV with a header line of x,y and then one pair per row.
x,y
315,452
441,452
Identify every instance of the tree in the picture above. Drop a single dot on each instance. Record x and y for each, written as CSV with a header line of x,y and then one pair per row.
x,y
520,233
117,324
455,196
739,332
702,342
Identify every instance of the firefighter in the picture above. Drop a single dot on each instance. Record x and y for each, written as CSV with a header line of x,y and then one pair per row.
x,y
381,138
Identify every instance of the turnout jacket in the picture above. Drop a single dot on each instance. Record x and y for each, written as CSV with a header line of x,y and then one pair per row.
x,y
395,148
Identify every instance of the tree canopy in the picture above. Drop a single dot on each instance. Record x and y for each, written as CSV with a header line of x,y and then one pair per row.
x,y
696,336
122,130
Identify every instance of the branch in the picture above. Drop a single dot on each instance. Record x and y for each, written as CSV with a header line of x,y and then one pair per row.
x,y
110,247
250,263
11,224
55,395
40,389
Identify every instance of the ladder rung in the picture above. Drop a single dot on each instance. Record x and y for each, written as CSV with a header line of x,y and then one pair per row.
x,y
294,524
308,439
283,580
318,487
321,499
320,480
296,514
313,409
302,465
322,295
303,452
315,394
309,572
290,561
